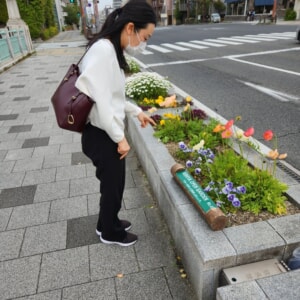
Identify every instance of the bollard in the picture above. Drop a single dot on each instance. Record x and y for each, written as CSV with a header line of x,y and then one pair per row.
x,y
213,215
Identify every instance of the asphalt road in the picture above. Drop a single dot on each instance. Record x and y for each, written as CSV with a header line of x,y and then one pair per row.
x,y
246,70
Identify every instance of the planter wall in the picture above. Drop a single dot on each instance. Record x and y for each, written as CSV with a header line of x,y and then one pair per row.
x,y
205,252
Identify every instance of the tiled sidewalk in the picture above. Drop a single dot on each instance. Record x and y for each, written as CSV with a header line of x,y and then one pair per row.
x,y
49,204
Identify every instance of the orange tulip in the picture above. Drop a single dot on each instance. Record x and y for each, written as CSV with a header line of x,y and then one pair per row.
x,y
268,135
249,132
219,128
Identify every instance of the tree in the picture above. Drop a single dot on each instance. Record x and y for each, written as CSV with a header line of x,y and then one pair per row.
x,y
72,17
3,13
219,6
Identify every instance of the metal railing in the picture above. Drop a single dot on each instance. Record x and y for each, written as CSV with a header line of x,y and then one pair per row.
x,y
13,45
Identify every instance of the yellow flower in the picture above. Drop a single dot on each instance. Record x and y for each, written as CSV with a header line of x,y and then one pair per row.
x,y
187,107
152,110
162,122
199,146
238,118
280,209
188,98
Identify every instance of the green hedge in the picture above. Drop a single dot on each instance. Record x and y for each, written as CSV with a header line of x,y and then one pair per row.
x,y
290,15
3,13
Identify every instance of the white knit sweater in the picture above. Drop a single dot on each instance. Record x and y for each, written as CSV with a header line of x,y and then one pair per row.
x,y
103,80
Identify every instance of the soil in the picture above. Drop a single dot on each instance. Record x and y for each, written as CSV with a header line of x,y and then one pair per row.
x,y
243,217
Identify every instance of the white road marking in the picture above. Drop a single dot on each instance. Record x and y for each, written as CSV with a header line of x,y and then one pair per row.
x,y
172,46
159,49
284,97
208,44
254,37
191,45
223,42
238,39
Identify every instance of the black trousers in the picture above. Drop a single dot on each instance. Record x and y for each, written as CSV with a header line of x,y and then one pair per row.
x,y
110,170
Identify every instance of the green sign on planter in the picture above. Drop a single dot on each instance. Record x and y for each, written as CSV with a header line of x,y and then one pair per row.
x,y
195,190
204,204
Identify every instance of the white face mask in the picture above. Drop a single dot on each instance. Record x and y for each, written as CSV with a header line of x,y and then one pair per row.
x,y
134,50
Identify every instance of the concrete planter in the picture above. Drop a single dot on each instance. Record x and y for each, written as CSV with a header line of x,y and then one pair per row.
x,y
205,252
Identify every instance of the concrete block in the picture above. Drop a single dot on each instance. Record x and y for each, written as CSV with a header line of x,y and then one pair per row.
x,y
39,176
150,248
281,286
143,285
44,238
246,290
70,172
19,277
4,217
52,191
28,164
10,244
64,268
11,180
57,160
98,290
101,265
84,186
137,197
29,215
69,208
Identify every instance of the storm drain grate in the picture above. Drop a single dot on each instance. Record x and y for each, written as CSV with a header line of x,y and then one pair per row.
x,y
288,171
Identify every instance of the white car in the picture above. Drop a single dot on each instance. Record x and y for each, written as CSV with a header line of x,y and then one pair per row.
x,y
298,34
215,18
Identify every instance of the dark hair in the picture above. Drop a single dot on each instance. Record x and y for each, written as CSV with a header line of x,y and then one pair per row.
x,y
139,12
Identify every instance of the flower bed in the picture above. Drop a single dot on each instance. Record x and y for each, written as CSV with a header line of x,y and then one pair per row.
x,y
205,253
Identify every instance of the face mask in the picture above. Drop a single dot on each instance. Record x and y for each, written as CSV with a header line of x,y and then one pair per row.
x,y
134,50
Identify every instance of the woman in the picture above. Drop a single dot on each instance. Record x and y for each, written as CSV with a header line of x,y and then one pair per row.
x,y
103,140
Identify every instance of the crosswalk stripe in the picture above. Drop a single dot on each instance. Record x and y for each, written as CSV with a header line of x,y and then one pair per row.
x,y
159,49
191,45
254,37
146,52
279,37
238,39
175,47
208,44
223,42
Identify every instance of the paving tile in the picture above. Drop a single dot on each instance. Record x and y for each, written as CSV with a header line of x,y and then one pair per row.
x,y
16,154
17,196
84,186
52,191
10,244
64,268
154,250
99,290
29,164
19,128
70,148
46,150
79,158
21,98
59,160
4,217
109,260
6,167
39,176
70,172
39,109
70,208
44,238
29,215
90,170
137,197
11,180
93,204
19,277
61,139
11,144
8,117
37,142
52,295
151,285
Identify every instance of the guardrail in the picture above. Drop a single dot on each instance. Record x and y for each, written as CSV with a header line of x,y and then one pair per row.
x,y
13,46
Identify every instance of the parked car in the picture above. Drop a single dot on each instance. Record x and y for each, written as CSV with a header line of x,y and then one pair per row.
x,y
298,34
215,18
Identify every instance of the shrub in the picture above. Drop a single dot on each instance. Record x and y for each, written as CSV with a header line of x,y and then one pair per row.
x,y
290,15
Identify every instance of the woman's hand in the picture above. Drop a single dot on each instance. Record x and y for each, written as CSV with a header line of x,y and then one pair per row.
x,y
145,120
123,148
